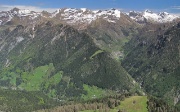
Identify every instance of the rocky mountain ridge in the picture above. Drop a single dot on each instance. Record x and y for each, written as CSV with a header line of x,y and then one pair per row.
x,y
81,16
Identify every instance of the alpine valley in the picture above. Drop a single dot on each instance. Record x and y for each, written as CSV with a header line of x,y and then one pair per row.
x,y
85,60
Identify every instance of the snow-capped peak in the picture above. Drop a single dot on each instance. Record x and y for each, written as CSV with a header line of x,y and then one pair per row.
x,y
117,13
21,12
84,9
167,17
83,15
163,13
6,16
149,15
148,11
111,12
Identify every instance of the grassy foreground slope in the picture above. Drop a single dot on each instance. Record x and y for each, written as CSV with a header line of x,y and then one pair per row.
x,y
131,104
135,104
21,101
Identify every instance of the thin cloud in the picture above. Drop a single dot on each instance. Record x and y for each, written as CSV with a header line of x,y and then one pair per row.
x,y
176,7
32,8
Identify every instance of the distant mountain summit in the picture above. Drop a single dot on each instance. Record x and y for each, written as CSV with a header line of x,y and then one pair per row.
x,y
148,15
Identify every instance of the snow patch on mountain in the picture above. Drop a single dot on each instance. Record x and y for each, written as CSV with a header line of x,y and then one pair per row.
x,y
2,46
24,12
117,13
111,21
55,13
57,37
19,39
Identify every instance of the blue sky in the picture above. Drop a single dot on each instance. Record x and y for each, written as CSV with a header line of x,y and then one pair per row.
x,y
172,6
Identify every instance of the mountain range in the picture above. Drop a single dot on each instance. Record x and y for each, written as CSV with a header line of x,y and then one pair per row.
x,y
71,52
80,16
